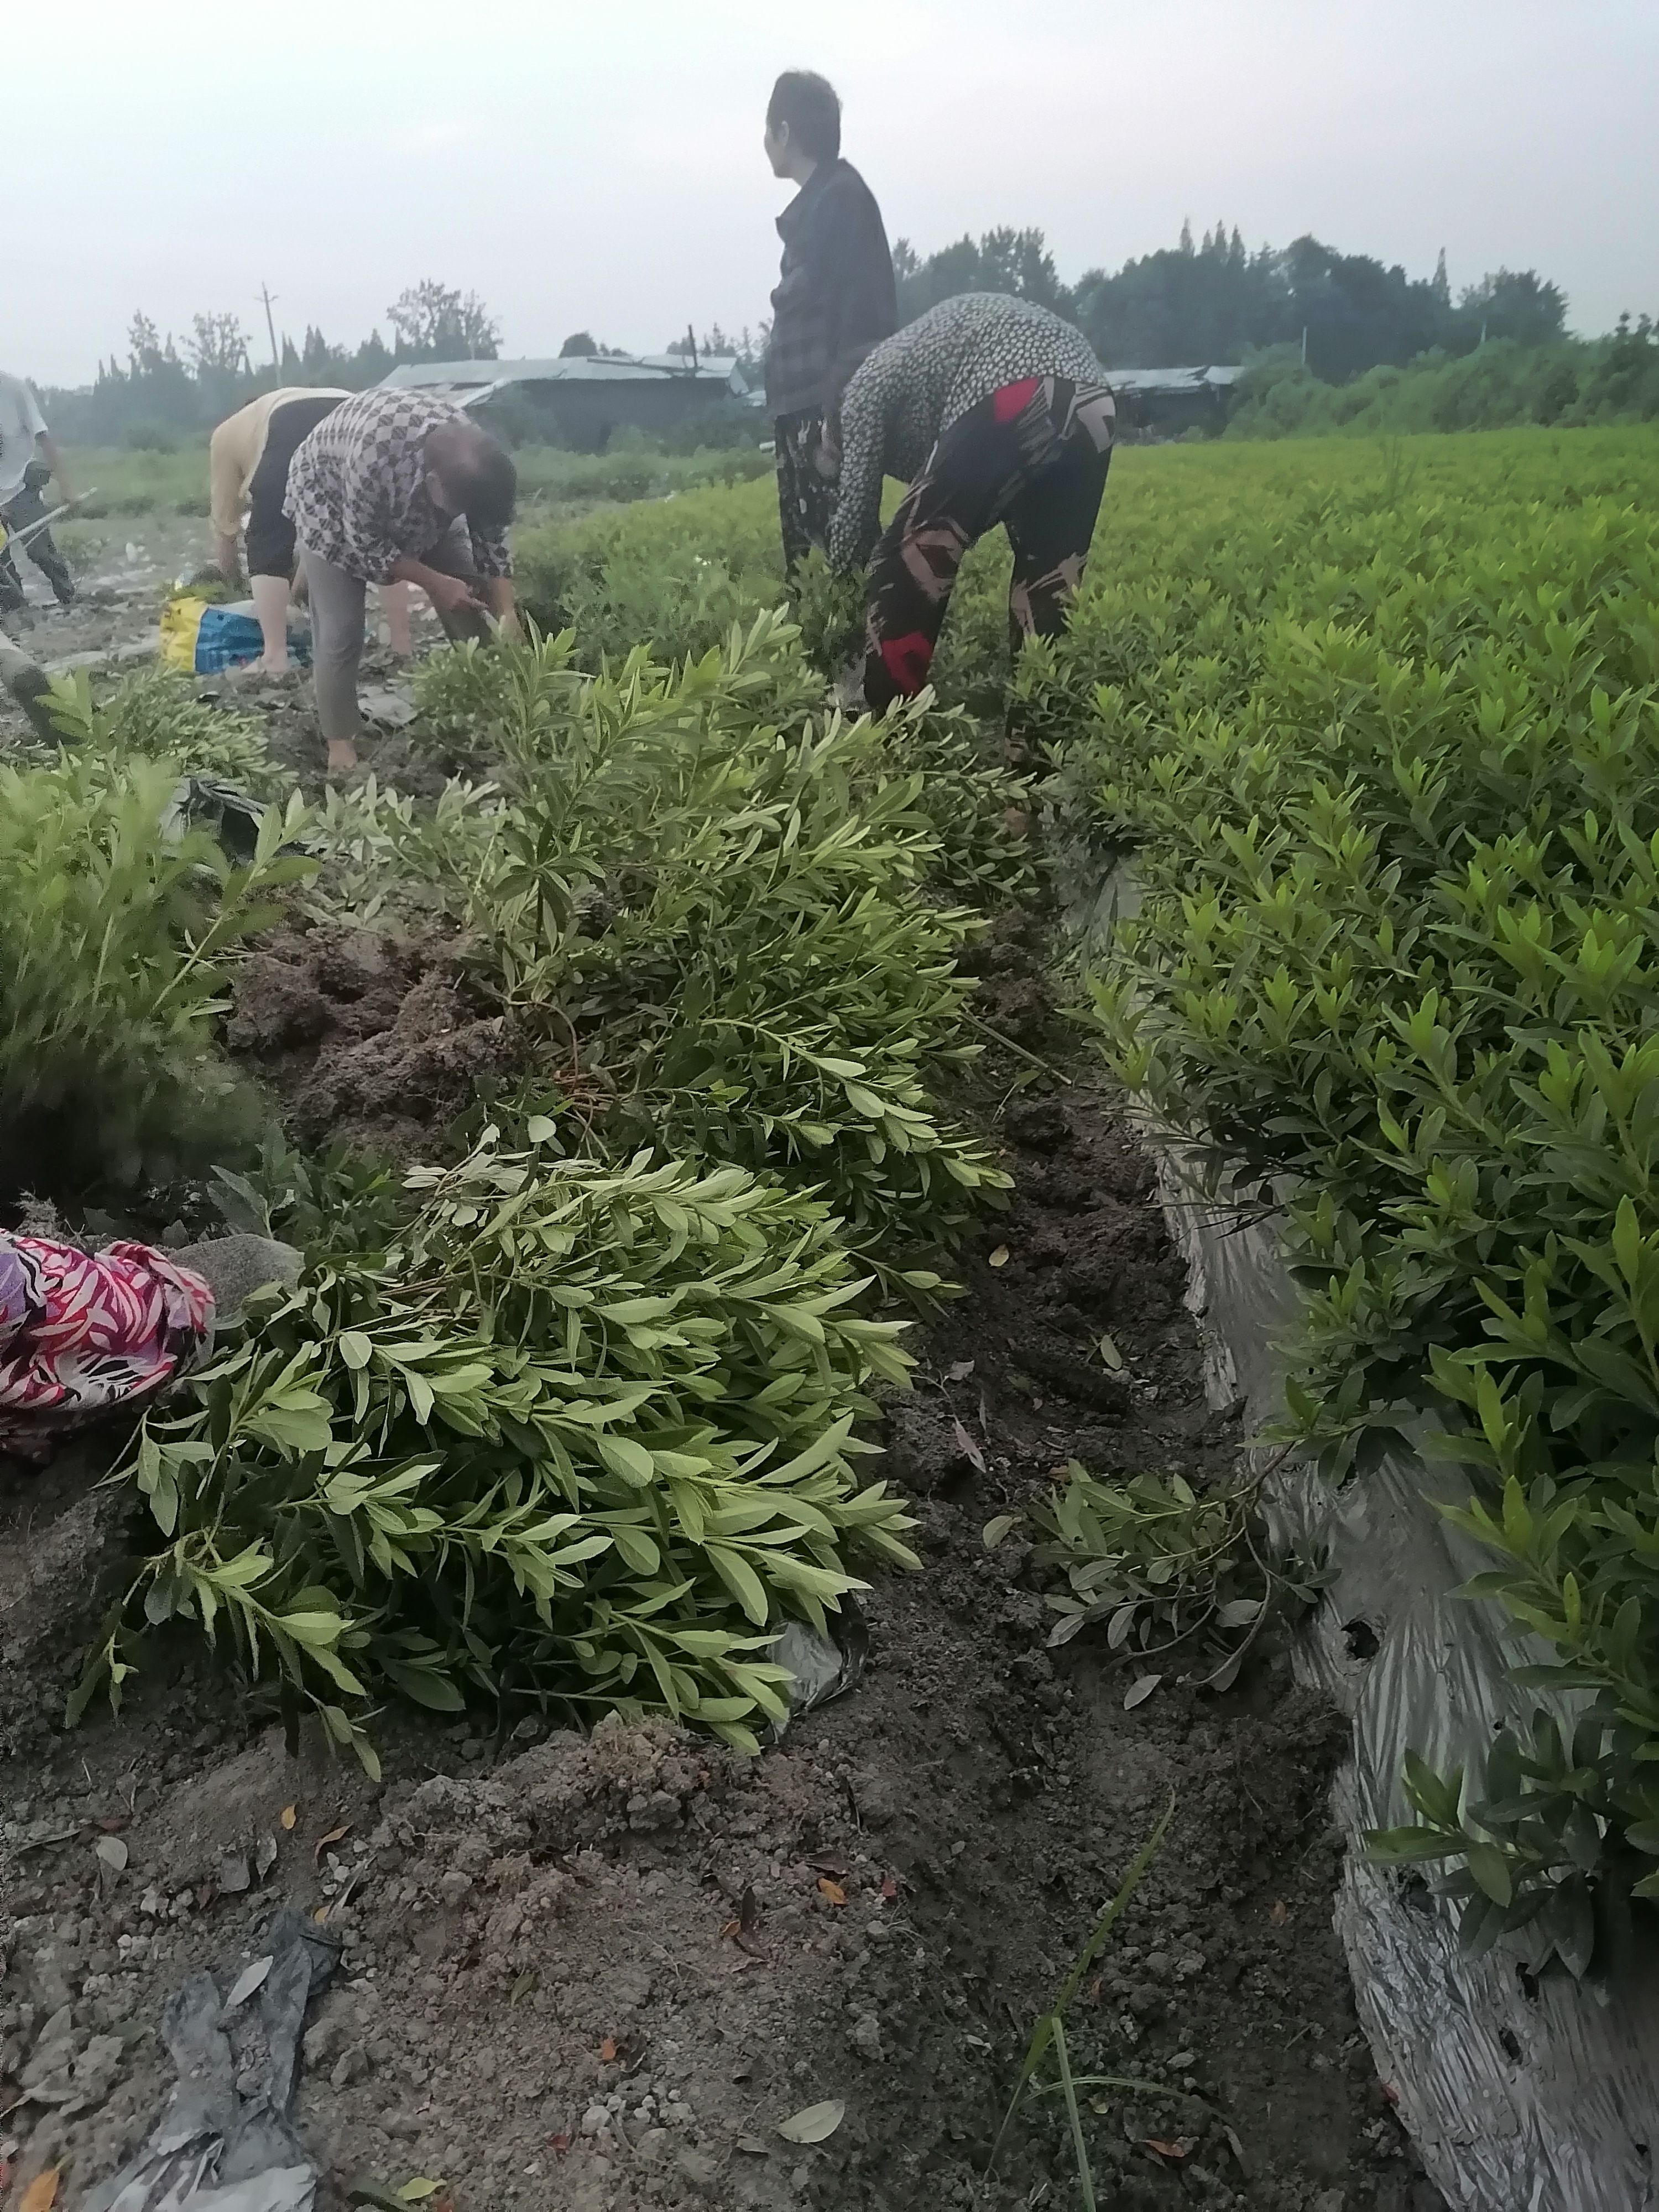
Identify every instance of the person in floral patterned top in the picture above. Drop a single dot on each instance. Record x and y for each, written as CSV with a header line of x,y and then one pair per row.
x,y
994,411
396,486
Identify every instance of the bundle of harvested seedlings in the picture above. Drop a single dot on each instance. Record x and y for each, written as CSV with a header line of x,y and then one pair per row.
x,y
581,1435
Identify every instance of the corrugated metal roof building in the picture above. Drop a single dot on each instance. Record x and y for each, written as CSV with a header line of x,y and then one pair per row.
x,y
583,398
1163,402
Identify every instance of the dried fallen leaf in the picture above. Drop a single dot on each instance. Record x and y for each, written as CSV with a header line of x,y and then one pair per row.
x,y
320,1914
959,1370
112,1851
832,1890
42,2192
816,2123
999,1257
607,2051
112,1823
332,1836
1279,1912
1139,1690
559,2144
264,1856
1176,2151
966,1447
290,1813
889,1887
754,2145
247,1981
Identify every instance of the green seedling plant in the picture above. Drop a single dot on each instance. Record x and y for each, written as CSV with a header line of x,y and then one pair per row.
x,y
117,946
582,1435
1165,1568
1390,770
711,906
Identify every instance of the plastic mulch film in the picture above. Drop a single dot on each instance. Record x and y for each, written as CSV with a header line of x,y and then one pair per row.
x,y
1523,2094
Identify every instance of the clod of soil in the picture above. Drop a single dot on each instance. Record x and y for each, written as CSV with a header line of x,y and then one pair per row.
x,y
369,1038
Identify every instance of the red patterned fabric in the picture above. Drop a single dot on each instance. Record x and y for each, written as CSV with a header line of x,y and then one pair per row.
x,y
906,660
82,1334
1010,400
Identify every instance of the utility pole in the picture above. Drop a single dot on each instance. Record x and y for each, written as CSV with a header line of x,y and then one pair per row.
x,y
1305,345
691,347
271,325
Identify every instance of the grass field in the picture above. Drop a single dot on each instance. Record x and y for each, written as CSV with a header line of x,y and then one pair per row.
x,y
132,483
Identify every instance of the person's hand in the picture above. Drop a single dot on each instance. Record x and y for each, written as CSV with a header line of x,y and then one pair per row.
x,y
453,595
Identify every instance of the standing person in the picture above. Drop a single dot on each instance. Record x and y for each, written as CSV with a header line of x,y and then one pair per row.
x,y
397,487
835,299
248,458
29,460
993,411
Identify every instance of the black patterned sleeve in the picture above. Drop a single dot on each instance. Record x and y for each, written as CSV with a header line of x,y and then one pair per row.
x,y
490,555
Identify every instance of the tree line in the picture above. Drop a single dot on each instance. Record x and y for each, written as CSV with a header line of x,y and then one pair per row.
x,y
165,390
1189,305
1212,300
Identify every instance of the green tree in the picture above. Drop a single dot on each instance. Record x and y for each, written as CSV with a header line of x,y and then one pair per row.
x,y
434,322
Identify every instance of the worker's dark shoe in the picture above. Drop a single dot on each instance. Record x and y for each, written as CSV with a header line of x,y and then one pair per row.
x,y
67,595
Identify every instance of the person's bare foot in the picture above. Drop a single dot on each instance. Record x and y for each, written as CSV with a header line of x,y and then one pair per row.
x,y
341,756
266,666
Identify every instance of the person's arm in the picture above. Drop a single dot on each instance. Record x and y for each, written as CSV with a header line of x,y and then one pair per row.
x,y
449,594
863,453
494,563
225,501
503,603
47,446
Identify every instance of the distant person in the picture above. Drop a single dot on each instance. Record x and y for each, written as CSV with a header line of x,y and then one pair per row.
x,y
29,460
392,487
248,457
993,411
836,298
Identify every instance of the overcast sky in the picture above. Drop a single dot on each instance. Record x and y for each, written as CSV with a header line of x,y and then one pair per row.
x,y
599,166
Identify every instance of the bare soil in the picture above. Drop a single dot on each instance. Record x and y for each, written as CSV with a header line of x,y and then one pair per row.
x,y
553,1993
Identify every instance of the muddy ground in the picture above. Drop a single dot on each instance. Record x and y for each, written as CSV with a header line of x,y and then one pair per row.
x,y
551,1992
596,1975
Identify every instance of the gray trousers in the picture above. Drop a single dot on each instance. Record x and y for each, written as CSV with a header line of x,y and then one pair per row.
x,y
26,504
337,603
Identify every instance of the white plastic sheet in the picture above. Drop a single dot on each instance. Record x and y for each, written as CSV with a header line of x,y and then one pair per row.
x,y
1522,2094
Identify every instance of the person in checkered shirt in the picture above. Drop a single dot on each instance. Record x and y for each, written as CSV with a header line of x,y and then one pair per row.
x,y
397,486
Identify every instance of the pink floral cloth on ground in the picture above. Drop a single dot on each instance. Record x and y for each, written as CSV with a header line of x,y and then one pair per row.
x,y
84,1334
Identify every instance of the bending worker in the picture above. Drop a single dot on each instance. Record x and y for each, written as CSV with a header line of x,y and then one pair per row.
x,y
397,487
993,411
248,458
